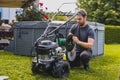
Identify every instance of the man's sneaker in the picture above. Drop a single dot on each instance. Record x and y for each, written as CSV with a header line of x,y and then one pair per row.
x,y
87,67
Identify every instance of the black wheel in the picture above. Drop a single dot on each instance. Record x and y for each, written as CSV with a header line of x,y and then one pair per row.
x,y
65,70
61,69
35,68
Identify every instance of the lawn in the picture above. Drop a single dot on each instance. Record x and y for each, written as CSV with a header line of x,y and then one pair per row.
x,y
106,67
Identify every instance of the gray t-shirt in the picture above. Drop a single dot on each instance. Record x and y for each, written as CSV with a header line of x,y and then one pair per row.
x,y
83,34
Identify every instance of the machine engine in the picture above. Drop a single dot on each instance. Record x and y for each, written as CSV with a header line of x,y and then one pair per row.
x,y
49,59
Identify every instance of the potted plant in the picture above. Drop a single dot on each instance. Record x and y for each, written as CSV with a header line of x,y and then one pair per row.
x,y
32,11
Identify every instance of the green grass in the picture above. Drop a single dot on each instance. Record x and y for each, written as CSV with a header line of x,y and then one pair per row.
x,y
106,67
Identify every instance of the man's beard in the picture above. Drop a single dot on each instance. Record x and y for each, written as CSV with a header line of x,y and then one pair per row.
x,y
81,24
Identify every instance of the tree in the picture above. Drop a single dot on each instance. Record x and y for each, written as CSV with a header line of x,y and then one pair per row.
x,y
103,11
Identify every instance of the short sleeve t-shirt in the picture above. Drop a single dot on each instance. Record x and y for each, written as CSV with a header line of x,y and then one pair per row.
x,y
83,34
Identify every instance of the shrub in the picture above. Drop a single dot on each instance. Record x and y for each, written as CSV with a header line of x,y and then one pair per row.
x,y
112,34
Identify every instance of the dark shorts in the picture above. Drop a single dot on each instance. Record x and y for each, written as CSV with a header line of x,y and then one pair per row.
x,y
81,58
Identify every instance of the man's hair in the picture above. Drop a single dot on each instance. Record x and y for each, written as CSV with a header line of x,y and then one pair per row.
x,y
82,12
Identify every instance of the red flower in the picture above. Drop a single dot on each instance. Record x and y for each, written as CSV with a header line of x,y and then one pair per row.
x,y
29,5
46,8
41,4
46,16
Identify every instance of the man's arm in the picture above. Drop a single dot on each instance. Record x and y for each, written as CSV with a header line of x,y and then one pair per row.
x,y
88,44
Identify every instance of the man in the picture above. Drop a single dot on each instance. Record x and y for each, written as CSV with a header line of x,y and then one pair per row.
x,y
83,38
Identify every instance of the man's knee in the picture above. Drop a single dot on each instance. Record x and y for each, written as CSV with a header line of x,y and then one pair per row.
x,y
85,56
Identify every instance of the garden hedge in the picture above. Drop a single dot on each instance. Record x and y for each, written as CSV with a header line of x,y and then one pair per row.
x,y
112,34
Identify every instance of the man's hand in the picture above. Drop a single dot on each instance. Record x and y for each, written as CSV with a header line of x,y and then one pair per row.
x,y
69,37
88,44
75,39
